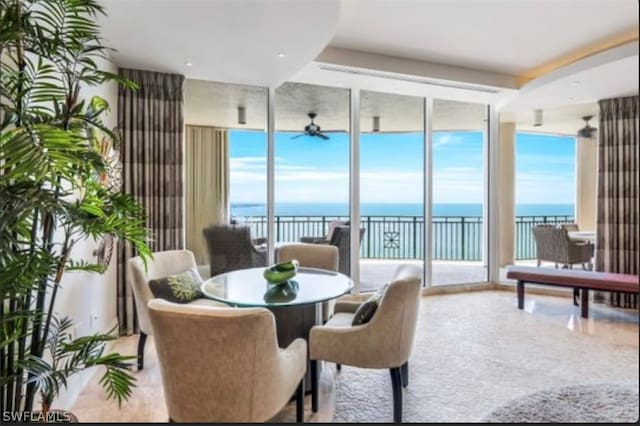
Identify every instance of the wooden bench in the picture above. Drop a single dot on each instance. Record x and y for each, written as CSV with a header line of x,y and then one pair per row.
x,y
581,281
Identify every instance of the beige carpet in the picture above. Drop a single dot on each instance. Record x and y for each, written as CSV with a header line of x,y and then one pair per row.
x,y
474,352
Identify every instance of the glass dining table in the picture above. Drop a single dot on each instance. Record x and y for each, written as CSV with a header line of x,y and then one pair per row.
x,y
297,304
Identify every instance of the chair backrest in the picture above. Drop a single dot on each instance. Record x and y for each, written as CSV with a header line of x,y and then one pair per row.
x,y
341,238
570,227
163,264
216,363
552,243
395,321
310,255
230,248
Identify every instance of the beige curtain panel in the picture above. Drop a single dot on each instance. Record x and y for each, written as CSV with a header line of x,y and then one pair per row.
x,y
617,215
206,184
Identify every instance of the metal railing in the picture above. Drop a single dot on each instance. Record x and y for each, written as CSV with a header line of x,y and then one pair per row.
x,y
401,237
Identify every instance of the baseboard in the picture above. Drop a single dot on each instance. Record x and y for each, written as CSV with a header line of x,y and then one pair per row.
x,y
487,286
456,288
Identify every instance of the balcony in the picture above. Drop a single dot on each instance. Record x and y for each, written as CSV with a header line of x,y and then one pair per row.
x,y
392,240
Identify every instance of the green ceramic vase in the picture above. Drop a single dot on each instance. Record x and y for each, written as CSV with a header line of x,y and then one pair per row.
x,y
281,272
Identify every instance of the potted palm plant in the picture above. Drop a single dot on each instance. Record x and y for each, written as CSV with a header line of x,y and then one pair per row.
x,y
54,193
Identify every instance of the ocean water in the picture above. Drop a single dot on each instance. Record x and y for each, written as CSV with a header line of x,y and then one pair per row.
x,y
388,209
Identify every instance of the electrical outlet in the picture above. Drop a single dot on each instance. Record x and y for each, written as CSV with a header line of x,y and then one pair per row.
x,y
94,319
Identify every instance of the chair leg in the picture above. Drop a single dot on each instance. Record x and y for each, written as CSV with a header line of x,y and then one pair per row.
x,y
300,402
314,385
396,384
141,342
576,295
404,369
339,367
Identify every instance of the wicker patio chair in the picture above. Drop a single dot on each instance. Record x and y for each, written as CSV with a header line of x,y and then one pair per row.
x,y
554,245
231,247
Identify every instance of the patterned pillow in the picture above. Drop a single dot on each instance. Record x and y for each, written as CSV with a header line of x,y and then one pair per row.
x,y
178,288
365,311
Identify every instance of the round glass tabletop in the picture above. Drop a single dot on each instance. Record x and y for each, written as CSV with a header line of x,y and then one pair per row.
x,y
247,287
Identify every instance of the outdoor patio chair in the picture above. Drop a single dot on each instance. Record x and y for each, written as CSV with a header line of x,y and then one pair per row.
x,y
554,245
570,227
341,238
231,247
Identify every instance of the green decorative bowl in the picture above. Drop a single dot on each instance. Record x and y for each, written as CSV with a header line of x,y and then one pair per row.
x,y
281,272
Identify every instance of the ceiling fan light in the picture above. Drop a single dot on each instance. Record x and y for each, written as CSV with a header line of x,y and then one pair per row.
x,y
376,123
587,132
242,115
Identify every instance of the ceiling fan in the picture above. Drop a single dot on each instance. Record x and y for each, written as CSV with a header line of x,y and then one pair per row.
x,y
312,129
587,131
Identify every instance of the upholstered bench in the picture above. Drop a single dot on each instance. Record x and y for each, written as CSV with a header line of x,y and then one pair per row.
x,y
578,280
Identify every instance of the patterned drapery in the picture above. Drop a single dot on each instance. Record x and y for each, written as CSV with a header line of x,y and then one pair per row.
x,y
206,185
617,216
151,123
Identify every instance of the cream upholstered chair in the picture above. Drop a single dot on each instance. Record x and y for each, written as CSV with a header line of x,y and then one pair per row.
x,y
163,264
385,341
312,256
224,365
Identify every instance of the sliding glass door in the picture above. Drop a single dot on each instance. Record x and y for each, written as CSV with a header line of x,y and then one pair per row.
x,y
312,165
391,185
459,153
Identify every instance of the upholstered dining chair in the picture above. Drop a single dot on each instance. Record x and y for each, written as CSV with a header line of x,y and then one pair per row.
x,y
163,264
312,256
224,365
386,341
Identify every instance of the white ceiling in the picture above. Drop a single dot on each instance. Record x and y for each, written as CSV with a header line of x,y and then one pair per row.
x,y
613,73
486,43
225,40
510,37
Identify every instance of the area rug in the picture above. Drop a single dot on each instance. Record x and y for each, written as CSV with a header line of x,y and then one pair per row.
x,y
601,403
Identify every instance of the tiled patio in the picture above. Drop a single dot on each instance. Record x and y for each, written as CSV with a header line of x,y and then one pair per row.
x,y
376,272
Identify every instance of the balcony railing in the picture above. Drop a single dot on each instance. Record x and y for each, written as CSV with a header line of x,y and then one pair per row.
x,y
401,237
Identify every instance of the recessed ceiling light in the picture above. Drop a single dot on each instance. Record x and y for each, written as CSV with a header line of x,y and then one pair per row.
x,y
188,63
575,82
572,98
281,54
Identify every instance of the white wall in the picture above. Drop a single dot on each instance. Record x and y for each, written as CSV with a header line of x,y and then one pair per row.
x,y
83,294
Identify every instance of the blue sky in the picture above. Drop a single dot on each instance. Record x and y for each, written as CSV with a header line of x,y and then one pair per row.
x,y
314,170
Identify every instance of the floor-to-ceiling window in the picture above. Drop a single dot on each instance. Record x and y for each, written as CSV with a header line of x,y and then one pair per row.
x,y
545,186
391,185
311,160
311,164
459,191
226,160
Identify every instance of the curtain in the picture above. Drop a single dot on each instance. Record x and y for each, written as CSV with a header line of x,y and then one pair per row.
x,y
151,123
206,185
617,215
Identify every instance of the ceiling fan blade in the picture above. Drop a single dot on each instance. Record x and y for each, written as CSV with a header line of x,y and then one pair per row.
x,y
299,136
325,137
